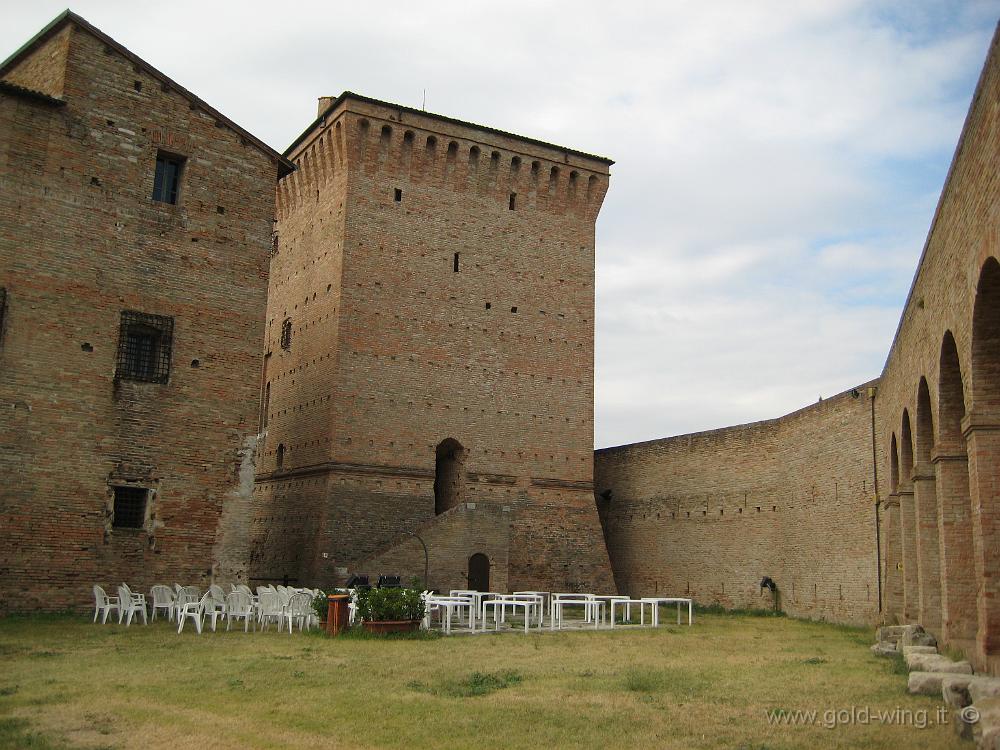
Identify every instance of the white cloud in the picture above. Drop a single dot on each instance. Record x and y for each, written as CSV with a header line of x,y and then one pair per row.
x,y
778,162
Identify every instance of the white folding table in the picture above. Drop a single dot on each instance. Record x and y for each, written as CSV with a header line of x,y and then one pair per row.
x,y
657,600
499,605
592,608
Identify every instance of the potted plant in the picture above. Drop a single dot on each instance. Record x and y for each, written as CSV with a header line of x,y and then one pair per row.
x,y
320,607
389,610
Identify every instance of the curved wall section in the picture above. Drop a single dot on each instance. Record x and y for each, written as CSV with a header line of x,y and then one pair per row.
x,y
708,515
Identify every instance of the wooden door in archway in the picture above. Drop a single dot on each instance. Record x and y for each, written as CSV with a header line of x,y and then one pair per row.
x,y
479,572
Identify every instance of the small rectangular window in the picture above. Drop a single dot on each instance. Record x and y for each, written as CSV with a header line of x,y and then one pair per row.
x,y
167,179
454,263
144,345
286,334
130,507
397,195
513,201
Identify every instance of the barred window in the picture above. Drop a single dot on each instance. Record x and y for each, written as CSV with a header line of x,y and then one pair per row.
x,y
144,344
130,507
167,177
286,334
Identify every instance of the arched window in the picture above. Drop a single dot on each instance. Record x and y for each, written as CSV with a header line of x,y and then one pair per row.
x,y
986,340
925,425
479,572
893,466
906,454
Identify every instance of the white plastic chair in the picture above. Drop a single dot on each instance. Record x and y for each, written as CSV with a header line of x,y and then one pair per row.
x,y
103,604
270,608
218,598
299,608
129,604
163,598
239,606
186,595
192,611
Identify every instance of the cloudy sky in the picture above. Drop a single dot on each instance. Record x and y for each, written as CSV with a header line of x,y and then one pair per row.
x,y
778,163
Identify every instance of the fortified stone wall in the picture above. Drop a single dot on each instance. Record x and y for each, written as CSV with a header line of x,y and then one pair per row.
x,y
81,240
708,515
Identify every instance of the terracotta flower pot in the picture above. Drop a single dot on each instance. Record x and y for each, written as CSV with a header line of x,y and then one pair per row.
x,y
382,627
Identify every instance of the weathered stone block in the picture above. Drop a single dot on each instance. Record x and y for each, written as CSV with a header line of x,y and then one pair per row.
x,y
890,633
986,730
918,650
955,690
884,649
981,688
936,663
924,683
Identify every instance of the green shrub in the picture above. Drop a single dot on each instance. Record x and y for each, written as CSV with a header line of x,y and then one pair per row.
x,y
320,604
389,604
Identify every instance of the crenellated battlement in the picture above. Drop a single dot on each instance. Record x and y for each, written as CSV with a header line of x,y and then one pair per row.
x,y
372,138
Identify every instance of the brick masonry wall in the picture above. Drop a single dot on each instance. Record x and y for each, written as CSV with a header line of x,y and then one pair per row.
x,y
449,537
498,355
942,306
45,69
81,241
708,515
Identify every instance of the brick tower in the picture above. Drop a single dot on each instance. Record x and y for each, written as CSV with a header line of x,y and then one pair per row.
x,y
428,363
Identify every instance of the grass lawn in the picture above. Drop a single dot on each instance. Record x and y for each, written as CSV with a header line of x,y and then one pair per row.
x,y
67,683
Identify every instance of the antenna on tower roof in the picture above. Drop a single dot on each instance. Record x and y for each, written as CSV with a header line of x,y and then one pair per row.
x,y
424,105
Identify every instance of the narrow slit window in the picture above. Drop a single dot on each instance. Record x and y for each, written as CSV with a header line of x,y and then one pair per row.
x,y
397,195
513,201
286,334
166,180
454,263
130,507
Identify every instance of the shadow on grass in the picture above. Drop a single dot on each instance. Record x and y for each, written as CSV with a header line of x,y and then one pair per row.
x,y
897,664
358,633
673,681
476,684
16,733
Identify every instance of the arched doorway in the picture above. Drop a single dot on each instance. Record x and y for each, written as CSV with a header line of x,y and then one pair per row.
x,y
892,585
449,474
908,523
479,572
983,435
926,511
951,464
